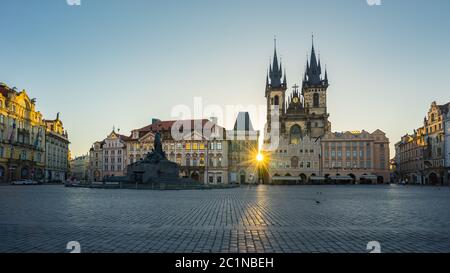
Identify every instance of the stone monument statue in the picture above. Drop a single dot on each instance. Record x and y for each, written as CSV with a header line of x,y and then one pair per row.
x,y
155,168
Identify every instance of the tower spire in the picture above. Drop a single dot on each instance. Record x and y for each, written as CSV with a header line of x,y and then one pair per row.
x,y
275,73
313,69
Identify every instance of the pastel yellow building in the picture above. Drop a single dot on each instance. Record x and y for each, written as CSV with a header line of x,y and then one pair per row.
x,y
22,136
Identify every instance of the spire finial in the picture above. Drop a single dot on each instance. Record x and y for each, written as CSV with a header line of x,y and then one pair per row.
x,y
275,41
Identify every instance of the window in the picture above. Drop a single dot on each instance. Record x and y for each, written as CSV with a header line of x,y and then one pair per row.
x,y
188,161
195,146
294,162
211,179
316,100
219,146
219,161
219,179
202,146
295,134
188,146
23,155
276,100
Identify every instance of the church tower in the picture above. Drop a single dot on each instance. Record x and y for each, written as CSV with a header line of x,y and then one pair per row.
x,y
314,91
275,89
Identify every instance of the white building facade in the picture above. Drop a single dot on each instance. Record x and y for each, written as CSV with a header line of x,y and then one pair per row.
x,y
114,155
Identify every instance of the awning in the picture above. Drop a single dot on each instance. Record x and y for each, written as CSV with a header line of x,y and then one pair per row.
x,y
369,176
290,178
343,177
317,178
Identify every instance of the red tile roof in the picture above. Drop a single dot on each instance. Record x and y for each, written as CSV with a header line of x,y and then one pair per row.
x,y
167,125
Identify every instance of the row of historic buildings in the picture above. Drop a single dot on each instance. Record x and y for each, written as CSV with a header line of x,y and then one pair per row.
x,y
31,147
423,157
299,146
204,150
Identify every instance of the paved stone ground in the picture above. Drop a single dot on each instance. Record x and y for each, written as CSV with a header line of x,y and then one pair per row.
x,y
246,219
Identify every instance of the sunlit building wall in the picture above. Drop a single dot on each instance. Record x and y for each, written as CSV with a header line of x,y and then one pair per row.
x,y
22,136
409,158
434,155
447,145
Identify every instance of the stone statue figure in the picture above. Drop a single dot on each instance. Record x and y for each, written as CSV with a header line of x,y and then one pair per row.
x,y
157,153
158,145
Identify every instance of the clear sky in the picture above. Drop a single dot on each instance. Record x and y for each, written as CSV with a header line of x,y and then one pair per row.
x,y
111,62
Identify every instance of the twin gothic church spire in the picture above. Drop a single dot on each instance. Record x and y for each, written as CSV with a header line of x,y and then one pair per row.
x,y
313,74
274,79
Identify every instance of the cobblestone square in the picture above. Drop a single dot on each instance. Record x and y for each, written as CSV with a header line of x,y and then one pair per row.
x,y
249,219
